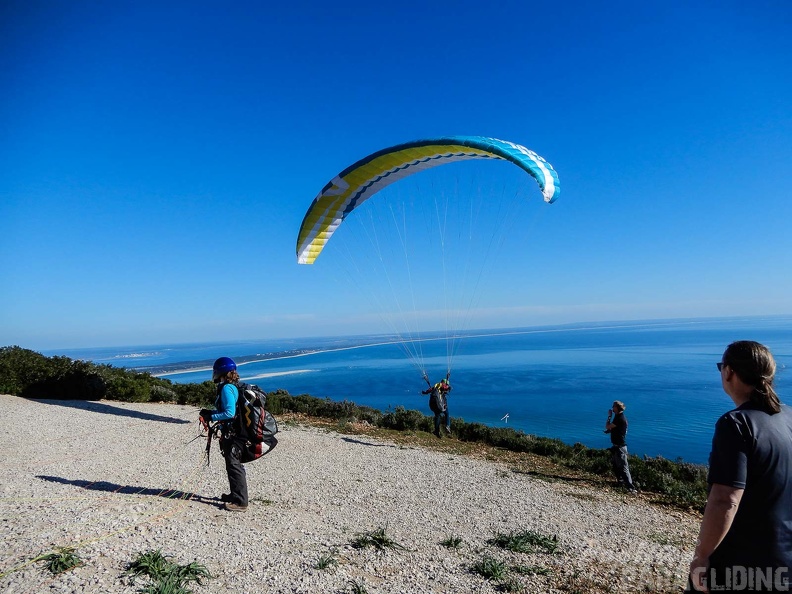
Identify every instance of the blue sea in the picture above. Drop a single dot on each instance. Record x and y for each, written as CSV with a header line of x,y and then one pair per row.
x,y
555,381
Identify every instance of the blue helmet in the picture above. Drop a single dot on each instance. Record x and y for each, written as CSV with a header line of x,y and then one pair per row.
x,y
222,366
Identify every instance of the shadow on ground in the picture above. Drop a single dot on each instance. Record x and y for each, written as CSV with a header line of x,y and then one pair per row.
x,y
107,487
110,409
367,443
556,477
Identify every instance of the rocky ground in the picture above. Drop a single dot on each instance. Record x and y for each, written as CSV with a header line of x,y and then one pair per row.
x,y
115,480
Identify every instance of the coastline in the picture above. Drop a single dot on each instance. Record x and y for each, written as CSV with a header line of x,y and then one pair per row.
x,y
244,379
290,354
119,479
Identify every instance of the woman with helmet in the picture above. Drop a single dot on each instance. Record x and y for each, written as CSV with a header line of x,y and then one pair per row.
x,y
225,377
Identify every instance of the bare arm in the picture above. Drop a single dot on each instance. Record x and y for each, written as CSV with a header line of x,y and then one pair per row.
x,y
608,425
722,504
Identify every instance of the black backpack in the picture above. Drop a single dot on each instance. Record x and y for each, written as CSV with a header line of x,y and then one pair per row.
x,y
437,401
254,423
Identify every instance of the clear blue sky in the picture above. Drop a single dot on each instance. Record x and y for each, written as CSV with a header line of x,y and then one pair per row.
x,y
133,133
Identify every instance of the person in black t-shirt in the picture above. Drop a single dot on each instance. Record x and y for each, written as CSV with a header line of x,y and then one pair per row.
x,y
745,540
616,425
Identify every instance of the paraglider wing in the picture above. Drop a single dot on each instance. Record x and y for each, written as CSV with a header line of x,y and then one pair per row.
x,y
361,181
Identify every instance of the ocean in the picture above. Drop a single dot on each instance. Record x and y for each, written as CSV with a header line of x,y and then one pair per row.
x,y
554,381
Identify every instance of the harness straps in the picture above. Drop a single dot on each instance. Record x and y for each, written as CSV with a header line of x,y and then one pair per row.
x,y
211,430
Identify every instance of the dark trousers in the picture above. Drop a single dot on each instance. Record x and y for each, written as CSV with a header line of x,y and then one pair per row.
x,y
237,479
442,418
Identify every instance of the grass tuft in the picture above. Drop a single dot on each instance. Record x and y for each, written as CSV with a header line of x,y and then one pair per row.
x,y
526,541
490,568
152,563
377,539
326,562
358,587
166,577
452,542
167,584
62,560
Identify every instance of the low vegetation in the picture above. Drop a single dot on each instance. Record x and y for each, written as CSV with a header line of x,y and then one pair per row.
x,y
29,374
358,587
63,559
452,542
377,539
326,562
32,375
166,577
490,568
505,576
525,541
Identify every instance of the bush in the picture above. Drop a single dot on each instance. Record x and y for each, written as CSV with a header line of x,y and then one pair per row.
x,y
201,395
20,368
401,419
281,401
32,375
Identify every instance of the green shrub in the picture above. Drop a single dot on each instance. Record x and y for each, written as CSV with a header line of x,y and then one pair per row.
x,y
401,419
64,559
26,373
201,395
280,401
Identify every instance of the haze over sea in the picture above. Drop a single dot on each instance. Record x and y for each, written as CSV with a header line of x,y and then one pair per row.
x,y
554,381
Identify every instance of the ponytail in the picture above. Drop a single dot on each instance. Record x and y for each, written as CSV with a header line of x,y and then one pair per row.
x,y
754,365
765,395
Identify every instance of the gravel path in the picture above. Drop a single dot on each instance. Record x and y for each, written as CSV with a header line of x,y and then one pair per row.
x,y
109,478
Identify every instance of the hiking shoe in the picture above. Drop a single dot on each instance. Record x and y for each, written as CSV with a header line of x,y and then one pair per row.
x,y
225,497
448,430
235,508
437,434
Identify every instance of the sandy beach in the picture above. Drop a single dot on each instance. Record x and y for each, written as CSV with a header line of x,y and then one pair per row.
x,y
115,480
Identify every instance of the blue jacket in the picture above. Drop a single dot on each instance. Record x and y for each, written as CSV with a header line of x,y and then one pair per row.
x,y
226,403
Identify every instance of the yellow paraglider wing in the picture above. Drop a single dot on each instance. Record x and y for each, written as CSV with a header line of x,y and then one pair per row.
x,y
361,181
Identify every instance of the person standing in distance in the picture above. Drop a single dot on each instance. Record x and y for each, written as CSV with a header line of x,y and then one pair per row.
x,y
745,539
616,425
438,404
225,377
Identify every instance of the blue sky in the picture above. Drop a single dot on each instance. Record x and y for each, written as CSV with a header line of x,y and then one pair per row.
x,y
156,159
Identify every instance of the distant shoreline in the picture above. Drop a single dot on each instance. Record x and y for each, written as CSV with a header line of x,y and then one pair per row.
x,y
290,354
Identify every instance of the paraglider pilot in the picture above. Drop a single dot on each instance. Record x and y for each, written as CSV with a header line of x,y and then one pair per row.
x,y
438,403
225,377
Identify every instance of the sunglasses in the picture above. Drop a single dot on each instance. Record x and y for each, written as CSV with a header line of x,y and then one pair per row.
x,y
720,365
